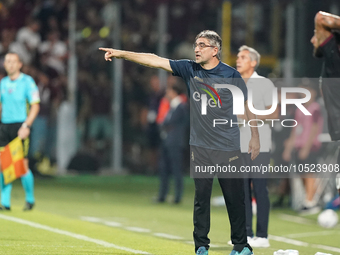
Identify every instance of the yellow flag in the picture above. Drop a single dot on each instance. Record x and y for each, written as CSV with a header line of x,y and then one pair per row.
x,y
12,161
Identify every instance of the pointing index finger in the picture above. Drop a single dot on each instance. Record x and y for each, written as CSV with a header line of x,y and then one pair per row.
x,y
104,49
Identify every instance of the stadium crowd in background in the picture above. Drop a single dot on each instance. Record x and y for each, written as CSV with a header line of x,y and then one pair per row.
x,y
38,31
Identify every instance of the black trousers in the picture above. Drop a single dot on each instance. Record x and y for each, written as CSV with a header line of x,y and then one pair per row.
x,y
233,193
261,195
171,164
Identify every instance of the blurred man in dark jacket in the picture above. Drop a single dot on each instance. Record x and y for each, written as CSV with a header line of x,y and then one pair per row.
x,y
173,133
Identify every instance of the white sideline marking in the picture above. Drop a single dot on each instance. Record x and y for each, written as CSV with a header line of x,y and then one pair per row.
x,y
309,234
90,219
70,234
140,230
325,247
134,229
112,224
168,236
288,240
300,243
99,220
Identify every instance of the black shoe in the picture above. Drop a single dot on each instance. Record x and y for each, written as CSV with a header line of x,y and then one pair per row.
x,y
28,206
158,200
4,208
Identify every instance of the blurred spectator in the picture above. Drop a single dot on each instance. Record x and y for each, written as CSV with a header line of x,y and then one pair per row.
x,y
29,39
92,19
9,45
61,14
43,11
13,14
304,139
45,68
178,27
56,51
100,125
107,13
83,105
139,32
184,49
152,131
53,24
173,131
39,142
7,36
6,20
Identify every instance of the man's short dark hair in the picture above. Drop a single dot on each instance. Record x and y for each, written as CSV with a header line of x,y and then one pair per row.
x,y
214,40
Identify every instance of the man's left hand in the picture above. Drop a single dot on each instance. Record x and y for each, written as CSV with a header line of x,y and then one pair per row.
x,y
254,147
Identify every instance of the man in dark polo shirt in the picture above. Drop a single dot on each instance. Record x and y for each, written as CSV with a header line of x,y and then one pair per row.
x,y
326,42
210,145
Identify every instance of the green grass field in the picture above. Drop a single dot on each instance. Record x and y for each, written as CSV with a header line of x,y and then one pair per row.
x,y
116,215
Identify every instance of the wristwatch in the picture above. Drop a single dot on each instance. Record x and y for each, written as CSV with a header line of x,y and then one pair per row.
x,y
25,125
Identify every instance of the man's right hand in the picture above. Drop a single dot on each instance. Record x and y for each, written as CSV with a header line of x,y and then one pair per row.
x,y
110,53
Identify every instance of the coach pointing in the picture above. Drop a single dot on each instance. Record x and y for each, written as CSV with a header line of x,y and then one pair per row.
x,y
223,145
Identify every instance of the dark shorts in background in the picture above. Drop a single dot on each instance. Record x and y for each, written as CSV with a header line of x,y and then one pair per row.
x,y
10,131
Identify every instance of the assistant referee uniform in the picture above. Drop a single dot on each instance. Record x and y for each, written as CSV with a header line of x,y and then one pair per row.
x,y
16,96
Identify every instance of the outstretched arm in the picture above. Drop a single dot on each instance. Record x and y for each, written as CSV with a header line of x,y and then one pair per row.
x,y
146,59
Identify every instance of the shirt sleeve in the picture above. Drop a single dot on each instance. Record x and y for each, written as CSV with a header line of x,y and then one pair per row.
x,y
239,82
181,68
32,91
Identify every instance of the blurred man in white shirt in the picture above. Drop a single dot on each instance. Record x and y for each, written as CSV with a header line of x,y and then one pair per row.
x,y
248,59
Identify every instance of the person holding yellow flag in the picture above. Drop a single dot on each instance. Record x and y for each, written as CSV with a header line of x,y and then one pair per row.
x,y
18,90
